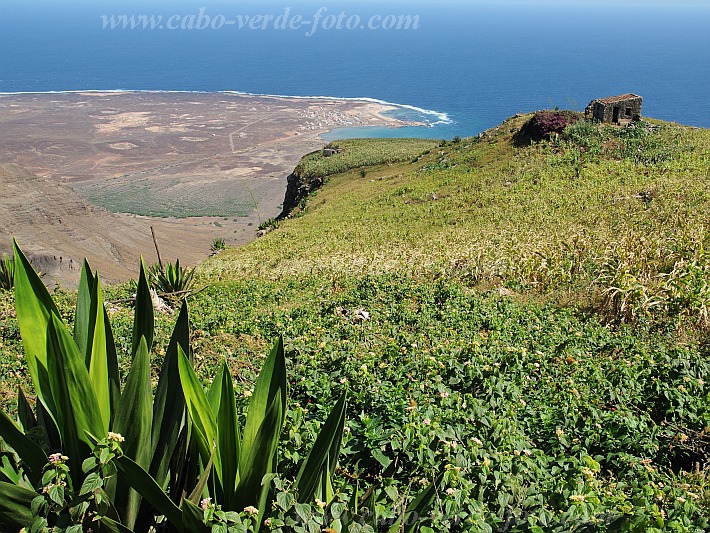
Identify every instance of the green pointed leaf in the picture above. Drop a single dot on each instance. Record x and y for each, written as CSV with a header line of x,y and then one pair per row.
x,y
114,378
134,422
193,518
76,403
369,502
214,392
348,518
203,421
82,316
97,360
260,462
99,349
270,386
45,421
30,452
323,457
25,416
196,493
112,526
228,436
169,404
15,507
92,482
137,477
419,507
9,471
34,307
143,320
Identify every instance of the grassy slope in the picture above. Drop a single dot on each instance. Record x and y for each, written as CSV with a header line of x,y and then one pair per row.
x,y
549,418
550,217
357,153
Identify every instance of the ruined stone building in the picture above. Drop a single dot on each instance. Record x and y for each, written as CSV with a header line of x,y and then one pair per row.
x,y
621,109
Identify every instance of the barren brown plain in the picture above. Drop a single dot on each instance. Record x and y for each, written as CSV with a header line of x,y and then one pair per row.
x,y
87,174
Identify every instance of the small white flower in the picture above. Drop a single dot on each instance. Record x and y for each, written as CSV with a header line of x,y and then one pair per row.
x,y
115,437
427,421
450,491
477,441
251,510
205,503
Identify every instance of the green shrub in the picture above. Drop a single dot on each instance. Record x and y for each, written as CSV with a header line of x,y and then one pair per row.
x,y
270,224
544,124
642,143
218,245
586,134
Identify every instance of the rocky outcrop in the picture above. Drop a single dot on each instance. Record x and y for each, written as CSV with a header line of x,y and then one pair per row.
x,y
298,188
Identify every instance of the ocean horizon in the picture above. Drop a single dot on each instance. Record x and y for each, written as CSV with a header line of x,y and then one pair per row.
x,y
465,68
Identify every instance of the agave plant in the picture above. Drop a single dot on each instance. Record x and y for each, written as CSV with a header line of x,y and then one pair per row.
x,y
240,461
7,273
218,245
79,399
173,278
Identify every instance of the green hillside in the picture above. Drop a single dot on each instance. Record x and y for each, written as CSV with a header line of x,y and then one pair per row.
x,y
618,217
530,320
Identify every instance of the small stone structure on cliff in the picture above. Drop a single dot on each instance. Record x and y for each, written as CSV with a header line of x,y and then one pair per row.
x,y
621,109
327,152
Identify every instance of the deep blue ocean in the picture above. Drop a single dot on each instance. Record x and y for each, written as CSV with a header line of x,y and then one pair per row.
x,y
472,63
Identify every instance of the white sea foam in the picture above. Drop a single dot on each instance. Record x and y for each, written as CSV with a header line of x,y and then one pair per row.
x,y
440,118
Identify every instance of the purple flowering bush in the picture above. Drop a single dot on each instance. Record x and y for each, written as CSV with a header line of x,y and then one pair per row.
x,y
544,123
